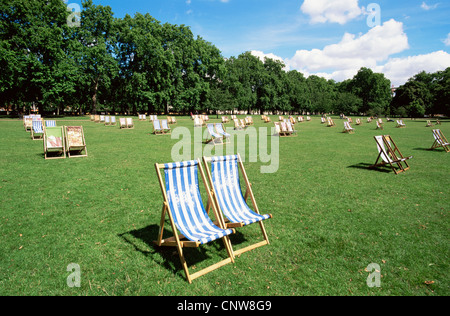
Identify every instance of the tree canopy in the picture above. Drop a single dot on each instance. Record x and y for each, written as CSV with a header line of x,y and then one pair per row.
x,y
137,64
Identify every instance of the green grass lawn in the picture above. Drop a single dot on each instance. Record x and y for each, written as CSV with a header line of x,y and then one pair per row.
x,y
333,216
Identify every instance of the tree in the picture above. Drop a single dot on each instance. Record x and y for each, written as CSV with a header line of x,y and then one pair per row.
x,y
373,89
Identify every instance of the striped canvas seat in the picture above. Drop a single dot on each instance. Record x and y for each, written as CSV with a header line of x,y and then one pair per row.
x,y
215,137
37,131
389,154
186,205
440,140
165,127
225,180
183,204
50,123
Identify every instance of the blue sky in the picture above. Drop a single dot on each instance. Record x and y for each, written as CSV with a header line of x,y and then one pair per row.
x,y
331,38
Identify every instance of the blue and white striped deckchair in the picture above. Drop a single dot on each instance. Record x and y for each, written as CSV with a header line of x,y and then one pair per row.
x,y
183,203
224,178
221,131
215,137
37,131
157,129
51,123
165,127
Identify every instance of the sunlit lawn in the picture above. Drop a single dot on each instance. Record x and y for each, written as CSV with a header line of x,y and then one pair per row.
x,y
333,216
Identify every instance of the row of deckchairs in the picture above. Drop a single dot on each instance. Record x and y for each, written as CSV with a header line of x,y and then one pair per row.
x,y
217,134
161,127
284,128
59,141
190,220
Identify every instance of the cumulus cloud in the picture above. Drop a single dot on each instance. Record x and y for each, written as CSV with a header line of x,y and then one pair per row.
x,y
354,52
399,70
447,40
373,50
322,11
261,55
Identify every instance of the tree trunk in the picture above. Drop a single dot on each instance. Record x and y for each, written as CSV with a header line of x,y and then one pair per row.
x,y
94,97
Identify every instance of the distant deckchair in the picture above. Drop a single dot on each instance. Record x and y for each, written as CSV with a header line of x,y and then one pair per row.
x,y
37,132
165,127
123,122
379,126
142,117
130,124
221,130
358,122
440,140
183,204
267,119
330,122
228,198
238,125
225,119
400,124
28,123
389,154
113,121
157,129
75,142
107,120
198,122
429,124
54,143
214,137
348,128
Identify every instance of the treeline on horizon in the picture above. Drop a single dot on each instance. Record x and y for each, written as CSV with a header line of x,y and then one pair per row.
x,y
137,64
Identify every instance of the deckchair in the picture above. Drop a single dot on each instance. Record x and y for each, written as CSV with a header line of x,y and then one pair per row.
x,y
157,129
130,124
308,118
215,138
267,119
28,123
221,130
165,127
379,126
187,214
348,128
37,132
389,154
75,142
225,119
330,122
300,119
123,122
54,143
228,198
198,122
277,129
400,124
238,125
107,120
429,124
113,121
358,122
102,118
323,120
96,118
440,140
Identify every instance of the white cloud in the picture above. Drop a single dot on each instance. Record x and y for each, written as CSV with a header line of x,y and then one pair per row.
x,y
353,52
447,40
261,55
399,70
322,11
427,7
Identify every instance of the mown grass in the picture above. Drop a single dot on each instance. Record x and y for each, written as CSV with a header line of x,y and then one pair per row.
x,y
332,216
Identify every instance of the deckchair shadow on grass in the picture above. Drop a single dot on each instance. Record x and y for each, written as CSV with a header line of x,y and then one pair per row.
x,y
142,240
368,166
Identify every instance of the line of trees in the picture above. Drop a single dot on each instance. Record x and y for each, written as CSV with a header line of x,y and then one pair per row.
x,y
137,64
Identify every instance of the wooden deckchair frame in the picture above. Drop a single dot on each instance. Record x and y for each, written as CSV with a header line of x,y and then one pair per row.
x,y
177,240
37,135
75,148
440,141
391,152
61,150
248,193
